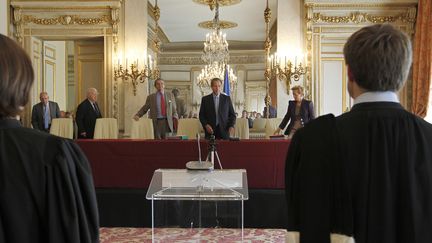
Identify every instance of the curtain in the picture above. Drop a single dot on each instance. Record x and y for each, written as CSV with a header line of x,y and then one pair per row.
x,y
422,67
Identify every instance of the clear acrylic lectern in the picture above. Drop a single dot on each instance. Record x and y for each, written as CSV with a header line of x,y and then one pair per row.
x,y
198,199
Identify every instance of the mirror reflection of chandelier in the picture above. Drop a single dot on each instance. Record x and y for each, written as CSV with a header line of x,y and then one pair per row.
x,y
216,55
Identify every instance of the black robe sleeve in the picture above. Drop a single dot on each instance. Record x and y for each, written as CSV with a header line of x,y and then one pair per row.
x,y
72,214
47,193
317,197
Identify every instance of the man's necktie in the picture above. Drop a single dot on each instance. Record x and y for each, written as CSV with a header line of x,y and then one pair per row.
x,y
216,101
95,107
162,104
46,116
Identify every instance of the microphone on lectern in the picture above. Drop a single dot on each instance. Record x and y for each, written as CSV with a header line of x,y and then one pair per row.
x,y
199,165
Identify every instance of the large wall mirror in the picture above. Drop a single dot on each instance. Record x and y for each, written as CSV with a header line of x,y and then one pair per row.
x,y
71,48
67,68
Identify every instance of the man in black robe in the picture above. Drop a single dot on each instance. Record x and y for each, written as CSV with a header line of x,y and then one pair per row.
x,y
46,187
366,173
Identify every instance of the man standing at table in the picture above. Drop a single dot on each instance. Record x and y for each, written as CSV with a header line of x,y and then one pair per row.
x,y
366,173
87,113
162,110
216,113
43,113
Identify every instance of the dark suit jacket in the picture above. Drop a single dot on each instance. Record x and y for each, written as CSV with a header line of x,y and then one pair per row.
x,y
306,112
227,117
47,191
366,173
86,118
38,114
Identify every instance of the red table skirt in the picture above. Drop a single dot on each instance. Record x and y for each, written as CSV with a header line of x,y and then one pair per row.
x,y
171,235
127,163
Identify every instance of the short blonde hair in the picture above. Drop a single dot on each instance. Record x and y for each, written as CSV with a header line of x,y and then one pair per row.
x,y
299,88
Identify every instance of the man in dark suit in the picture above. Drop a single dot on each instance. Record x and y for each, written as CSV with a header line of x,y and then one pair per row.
x,y
43,113
366,173
216,113
87,113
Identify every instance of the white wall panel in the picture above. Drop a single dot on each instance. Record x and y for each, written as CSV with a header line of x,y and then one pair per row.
x,y
332,86
55,51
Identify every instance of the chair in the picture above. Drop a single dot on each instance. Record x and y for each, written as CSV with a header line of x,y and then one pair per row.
x,y
106,128
62,127
242,128
259,125
189,127
271,126
142,129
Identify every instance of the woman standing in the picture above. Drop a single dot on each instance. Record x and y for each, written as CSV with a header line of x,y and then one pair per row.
x,y
300,112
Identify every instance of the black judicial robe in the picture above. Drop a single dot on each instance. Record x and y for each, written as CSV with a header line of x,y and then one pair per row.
x,y
46,189
366,174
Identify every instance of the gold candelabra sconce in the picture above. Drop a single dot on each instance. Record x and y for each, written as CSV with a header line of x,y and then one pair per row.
x,y
141,70
282,68
135,73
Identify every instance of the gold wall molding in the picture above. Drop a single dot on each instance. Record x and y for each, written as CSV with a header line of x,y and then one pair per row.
x,y
66,20
362,17
345,6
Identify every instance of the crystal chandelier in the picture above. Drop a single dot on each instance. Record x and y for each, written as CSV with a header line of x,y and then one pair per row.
x,y
216,55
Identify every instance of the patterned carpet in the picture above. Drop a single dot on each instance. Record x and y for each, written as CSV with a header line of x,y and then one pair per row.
x,y
171,235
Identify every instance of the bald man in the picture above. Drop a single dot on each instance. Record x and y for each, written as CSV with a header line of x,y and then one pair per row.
x,y
43,113
87,113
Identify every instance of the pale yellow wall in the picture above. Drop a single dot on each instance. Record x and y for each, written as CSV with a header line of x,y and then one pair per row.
x,y
135,46
3,17
289,43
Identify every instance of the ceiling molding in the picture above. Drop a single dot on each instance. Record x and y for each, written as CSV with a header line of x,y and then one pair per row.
x,y
195,59
197,46
162,36
223,24
212,5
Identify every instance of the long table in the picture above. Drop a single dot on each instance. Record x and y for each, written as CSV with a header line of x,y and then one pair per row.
x,y
131,163
122,171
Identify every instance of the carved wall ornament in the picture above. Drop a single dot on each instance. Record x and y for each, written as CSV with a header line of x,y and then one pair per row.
x,y
66,20
18,24
115,26
361,17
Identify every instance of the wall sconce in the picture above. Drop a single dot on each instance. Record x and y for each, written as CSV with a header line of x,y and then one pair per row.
x,y
282,68
136,73
149,69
